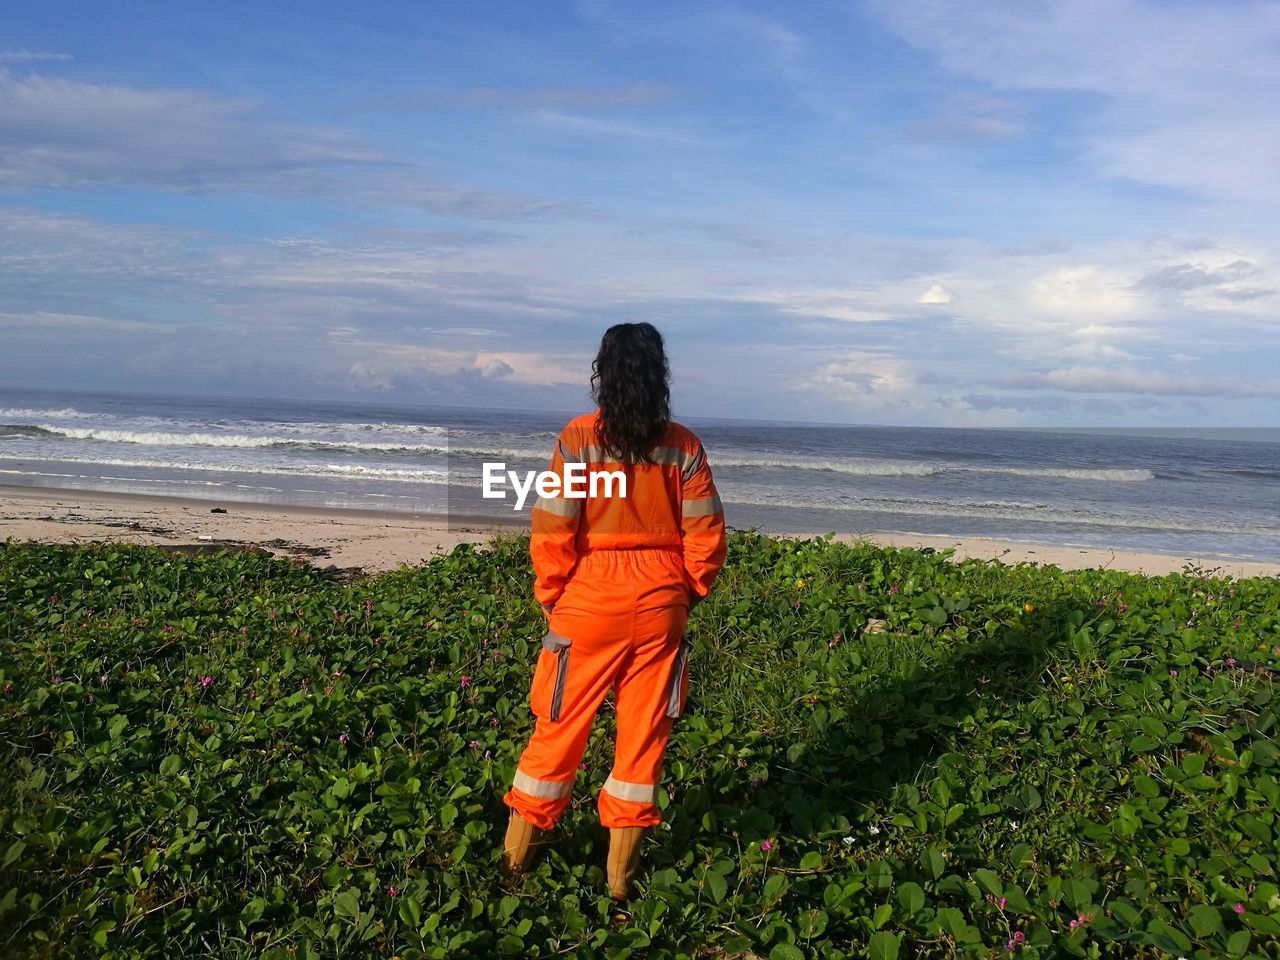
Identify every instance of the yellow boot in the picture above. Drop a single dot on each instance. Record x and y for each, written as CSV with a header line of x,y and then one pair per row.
x,y
518,847
624,857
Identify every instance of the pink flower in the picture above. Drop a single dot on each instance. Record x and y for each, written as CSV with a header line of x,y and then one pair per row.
x,y
1231,661
1174,674
1236,625
766,846
464,681
1073,924
1238,908
53,598
796,604
166,629
862,586
892,591
488,754
1000,903
392,891
273,614
493,721
56,681
475,744
8,687
244,631
206,681
1123,607
343,737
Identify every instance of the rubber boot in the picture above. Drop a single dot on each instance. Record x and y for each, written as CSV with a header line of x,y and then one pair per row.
x,y
624,857
519,845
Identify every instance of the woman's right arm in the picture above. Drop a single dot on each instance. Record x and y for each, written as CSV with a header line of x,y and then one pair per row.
x,y
553,532
702,526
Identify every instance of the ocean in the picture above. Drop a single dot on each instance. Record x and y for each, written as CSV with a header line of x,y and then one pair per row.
x,y
1203,494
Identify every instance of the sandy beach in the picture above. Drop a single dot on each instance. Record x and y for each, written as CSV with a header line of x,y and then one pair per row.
x,y
375,541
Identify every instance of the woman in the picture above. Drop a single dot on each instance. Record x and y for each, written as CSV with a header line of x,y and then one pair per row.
x,y
616,576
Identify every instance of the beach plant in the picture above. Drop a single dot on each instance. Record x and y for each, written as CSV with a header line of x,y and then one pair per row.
x,y
887,753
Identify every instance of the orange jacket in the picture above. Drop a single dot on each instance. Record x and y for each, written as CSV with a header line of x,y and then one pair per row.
x,y
670,503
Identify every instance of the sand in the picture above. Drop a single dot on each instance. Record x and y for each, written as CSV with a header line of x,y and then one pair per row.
x,y
375,541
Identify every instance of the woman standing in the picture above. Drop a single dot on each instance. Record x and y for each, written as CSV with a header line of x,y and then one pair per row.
x,y
616,577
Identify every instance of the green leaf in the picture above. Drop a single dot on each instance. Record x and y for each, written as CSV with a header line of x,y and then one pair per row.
x,y
1205,920
170,765
883,946
911,897
989,881
253,910
1238,943
410,911
347,903
812,923
1167,937
98,934
775,887
932,862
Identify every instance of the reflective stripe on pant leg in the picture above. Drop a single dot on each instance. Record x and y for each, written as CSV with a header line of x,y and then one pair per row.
x,y
675,701
559,646
634,792
630,798
542,789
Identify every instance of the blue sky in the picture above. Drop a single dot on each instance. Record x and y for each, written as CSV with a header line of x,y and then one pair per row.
x,y
918,212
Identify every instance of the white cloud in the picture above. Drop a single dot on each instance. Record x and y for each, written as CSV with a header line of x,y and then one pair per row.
x,y
1158,382
30,56
42,320
1085,292
57,133
936,294
1185,93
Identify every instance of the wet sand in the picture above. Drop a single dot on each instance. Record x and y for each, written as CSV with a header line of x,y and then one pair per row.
x,y
383,540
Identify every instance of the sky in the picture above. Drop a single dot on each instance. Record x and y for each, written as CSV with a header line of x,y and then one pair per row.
x,y
919,212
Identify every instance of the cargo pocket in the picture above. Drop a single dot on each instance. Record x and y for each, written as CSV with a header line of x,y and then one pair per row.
x,y
675,701
558,647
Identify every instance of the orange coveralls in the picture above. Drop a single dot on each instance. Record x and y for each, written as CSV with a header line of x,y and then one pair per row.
x,y
617,577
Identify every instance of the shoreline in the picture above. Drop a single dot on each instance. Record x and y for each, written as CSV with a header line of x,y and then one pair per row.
x,y
374,540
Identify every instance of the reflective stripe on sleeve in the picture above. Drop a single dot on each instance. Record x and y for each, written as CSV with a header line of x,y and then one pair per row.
x,y
687,473
635,792
543,789
563,508
706,507
662,456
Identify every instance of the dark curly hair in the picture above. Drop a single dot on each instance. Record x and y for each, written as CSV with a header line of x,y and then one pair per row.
x,y
630,382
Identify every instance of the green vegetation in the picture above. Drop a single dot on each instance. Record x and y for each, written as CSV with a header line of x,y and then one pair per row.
x,y
233,757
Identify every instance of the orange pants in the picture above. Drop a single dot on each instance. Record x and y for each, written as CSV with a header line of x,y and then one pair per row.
x,y
619,624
